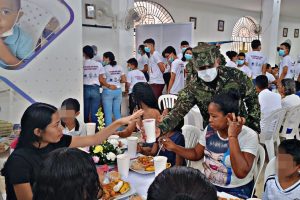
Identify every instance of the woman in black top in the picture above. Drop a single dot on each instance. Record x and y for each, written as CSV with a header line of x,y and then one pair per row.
x,y
42,133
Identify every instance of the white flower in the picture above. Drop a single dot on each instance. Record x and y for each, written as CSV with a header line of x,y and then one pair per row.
x,y
114,142
119,150
111,156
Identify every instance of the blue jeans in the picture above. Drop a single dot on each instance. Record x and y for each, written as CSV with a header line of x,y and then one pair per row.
x,y
243,192
92,99
112,100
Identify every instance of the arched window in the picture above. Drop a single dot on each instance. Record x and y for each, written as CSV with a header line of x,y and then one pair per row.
x,y
152,13
244,31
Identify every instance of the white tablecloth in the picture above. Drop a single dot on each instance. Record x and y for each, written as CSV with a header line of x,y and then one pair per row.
x,y
140,182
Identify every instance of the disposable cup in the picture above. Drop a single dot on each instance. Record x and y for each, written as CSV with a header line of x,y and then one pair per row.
x,y
132,146
90,128
160,164
123,161
149,127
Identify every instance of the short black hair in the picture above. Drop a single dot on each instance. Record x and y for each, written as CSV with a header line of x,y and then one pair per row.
x,y
181,183
184,43
287,45
255,44
169,50
228,102
289,86
231,54
88,51
133,62
291,147
275,67
59,176
268,65
242,54
71,104
149,41
261,82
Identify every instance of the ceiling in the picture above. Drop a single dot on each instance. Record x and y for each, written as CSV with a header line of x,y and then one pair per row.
x,y
289,8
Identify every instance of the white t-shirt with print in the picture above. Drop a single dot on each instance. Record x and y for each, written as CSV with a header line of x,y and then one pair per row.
x,y
113,75
156,76
217,165
230,63
246,70
177,68
274,191
256,60
142,61
133,77
91,71
290,100
289,62
80,132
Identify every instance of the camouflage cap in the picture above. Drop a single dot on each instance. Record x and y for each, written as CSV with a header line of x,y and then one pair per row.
x,y
205,54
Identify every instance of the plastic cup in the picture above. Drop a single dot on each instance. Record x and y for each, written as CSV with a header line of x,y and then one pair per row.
x,y
160,164
149,126
132,146
90,128
123,161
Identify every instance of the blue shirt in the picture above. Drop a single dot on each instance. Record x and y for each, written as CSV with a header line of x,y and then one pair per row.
x,y
178,139
20,44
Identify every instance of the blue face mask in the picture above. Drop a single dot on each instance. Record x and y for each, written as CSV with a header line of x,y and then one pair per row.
x,y
281,52
183,49
171,59
188,56
240,62
104,63
147,49
139,52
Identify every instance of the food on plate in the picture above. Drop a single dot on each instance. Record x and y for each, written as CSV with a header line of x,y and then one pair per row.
x,y
114,176
146,161
115,187
150,168
137,166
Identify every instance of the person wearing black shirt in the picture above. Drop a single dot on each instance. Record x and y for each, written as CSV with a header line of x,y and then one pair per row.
x,y
41,134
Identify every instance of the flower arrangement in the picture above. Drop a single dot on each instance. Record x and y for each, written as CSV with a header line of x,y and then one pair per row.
x,y
105,153
100,117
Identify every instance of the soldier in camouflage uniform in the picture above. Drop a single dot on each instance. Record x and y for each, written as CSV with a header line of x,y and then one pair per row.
x,y
198,92
192,72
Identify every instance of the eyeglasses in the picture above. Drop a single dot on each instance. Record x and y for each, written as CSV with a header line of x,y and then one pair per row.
x,y
6,12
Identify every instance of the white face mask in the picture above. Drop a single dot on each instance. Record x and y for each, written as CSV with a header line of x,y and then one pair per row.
x,y
10,31
208,75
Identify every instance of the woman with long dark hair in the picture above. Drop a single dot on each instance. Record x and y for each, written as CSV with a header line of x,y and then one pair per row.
x,y
61,179
112,91
41,134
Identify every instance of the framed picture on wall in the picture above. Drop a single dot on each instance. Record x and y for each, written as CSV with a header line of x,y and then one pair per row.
x,y
90,11
194,21
285,32
296,33
221,24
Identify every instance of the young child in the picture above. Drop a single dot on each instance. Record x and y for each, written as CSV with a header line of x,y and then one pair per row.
x,y
241,65
286,183
15,44
134,76
177,137
70,109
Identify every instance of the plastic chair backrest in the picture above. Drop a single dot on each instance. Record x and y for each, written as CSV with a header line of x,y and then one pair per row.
x,y
194,118
191,136
270,169
168,101
272,124
260,161
291,122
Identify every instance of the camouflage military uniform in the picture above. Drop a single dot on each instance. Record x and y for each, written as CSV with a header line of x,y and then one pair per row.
x,y
197,92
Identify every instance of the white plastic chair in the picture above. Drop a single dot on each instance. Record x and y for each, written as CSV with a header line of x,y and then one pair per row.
x,y
260,161
194,118
270,169
270,130
292,121
168,101
191,136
